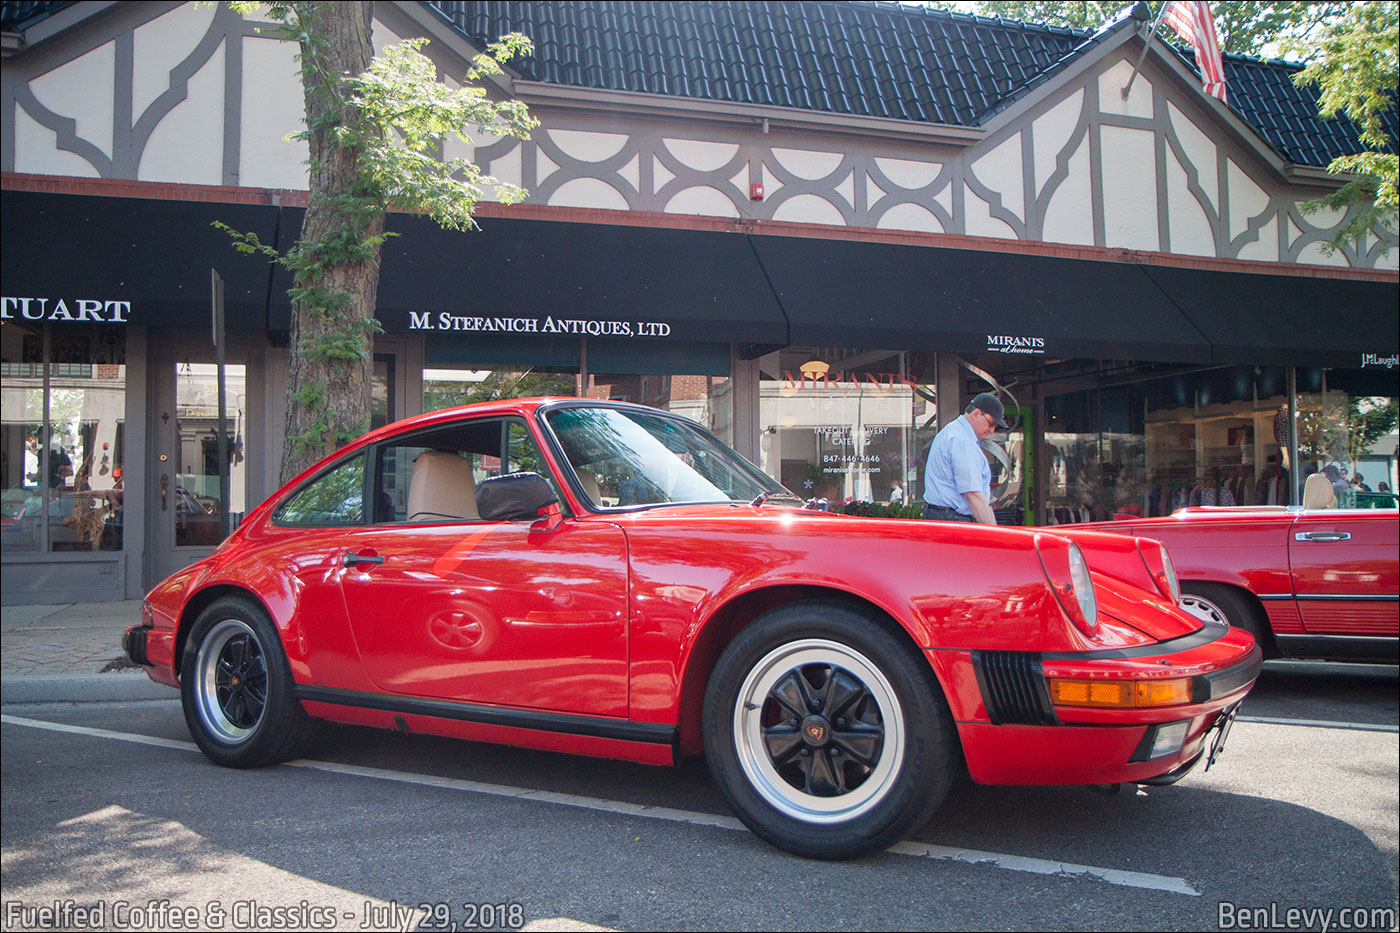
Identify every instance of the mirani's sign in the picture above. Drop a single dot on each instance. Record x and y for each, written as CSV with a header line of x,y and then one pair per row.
x,y
76,310
1006,343
446,321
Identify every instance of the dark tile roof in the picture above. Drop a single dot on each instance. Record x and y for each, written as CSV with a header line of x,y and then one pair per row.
x,y
862,58
866,59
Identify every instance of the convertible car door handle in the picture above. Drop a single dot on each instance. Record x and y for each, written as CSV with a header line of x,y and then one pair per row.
x,y
1322,536
351,559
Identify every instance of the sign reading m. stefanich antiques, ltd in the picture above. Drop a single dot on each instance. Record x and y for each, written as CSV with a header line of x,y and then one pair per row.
x,y
76,310
446,321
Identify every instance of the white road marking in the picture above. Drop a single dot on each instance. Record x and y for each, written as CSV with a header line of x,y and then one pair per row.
x,y
1319,723
1132,879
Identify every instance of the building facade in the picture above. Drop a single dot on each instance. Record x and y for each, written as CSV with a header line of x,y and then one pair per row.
x,y
816,227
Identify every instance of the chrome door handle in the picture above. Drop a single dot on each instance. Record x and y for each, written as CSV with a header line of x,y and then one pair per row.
x,y
1322,536
352,559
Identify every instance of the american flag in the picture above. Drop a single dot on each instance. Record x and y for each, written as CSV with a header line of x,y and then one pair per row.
x,y
1193,22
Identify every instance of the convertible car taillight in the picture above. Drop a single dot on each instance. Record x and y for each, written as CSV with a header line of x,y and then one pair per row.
x,y
1123,694
1068,575
1159,565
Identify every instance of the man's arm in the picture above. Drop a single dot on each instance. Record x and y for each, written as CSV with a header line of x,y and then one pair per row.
x,y
979,508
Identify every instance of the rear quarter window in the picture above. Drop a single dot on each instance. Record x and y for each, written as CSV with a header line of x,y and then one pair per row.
x,y
336,497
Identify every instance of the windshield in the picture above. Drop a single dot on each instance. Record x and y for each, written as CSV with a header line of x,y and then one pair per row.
x,y
627,458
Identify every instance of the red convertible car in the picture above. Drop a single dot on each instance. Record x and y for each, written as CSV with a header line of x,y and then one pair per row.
x,y
1308,582
606,579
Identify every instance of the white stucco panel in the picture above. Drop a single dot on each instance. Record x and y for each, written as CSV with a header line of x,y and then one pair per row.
x,y
944,198
632,172
1390,260
910,217
1068,218
741,180
1129,188
978,219
908,174
1051,133
588,192
660,174
272,109
1189,229
1200,152
1266,247
847,188
807,163
507,168
587,146
1000,170
162,44
544,166
1111,83
1316,254
702,199
701,156
188,145
36,151
1323,218
83,90
810,209
873,192
1247,199
1292,234
381,37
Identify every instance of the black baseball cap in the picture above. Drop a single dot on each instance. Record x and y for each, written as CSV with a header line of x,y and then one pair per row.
x,y
991,405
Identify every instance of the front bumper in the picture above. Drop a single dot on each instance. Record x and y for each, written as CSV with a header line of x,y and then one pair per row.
x,y
1012,733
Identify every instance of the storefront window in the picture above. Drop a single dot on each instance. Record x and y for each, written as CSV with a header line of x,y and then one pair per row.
x,y
1212,438
195,500
846,426
62,474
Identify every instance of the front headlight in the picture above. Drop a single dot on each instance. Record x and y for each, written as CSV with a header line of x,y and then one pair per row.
x,y
1083,586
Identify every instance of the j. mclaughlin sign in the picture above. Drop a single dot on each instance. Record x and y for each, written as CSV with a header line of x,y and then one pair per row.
x,y
74,310
447,321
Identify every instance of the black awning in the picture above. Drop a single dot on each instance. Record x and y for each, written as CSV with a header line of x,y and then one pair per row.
x,y
1287,319
588,280
154,254
841,293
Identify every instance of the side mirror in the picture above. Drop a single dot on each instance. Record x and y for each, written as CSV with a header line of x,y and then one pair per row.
x,y
514,497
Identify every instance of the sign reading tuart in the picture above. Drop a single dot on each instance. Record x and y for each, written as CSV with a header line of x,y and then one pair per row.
x,y
1005,343
80,310
446,321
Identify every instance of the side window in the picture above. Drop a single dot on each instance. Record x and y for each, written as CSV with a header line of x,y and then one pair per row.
x,y
431,476
333,498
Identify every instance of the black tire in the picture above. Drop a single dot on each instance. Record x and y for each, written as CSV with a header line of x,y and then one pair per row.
x,y
1218,602
854,783
237,689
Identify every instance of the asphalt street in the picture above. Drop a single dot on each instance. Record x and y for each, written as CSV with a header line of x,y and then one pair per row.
x,y
109,807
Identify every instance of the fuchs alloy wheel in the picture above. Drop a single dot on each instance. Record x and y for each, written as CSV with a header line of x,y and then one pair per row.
x,y
826,732
237,689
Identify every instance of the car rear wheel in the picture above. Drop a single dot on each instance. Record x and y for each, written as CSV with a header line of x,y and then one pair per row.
x,y
237,689
826,732
1216,602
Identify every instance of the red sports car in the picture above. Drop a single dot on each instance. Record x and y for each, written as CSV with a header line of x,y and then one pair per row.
x,y
607,579
1306,582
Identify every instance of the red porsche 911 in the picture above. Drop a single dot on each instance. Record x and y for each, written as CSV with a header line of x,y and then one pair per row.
x,y
606,579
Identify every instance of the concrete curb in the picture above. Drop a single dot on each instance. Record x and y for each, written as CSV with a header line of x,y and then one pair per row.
x,y
116,687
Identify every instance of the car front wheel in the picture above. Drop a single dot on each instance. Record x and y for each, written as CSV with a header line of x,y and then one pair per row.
x,y
827,733
237,689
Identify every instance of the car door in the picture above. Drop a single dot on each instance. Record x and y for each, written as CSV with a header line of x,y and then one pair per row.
x,y
1344,570
447,606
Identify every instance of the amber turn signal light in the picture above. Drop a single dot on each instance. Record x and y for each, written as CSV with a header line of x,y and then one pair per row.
x,y
1123,694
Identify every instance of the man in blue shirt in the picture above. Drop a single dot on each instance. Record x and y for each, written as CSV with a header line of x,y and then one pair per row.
x,y
958,478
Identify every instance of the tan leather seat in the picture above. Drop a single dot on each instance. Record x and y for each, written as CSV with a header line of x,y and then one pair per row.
x,y
589,482
442,488
1318,493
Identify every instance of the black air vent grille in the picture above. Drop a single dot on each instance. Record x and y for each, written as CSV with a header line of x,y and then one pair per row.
x,y
1013,687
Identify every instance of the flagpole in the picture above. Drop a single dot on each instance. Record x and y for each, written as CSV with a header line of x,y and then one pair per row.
x,y
1146,44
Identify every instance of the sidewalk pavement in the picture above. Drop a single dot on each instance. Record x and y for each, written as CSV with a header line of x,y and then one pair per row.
x,y
71,653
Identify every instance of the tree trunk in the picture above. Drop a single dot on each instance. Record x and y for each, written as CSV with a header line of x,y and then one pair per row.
x,y
328,390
